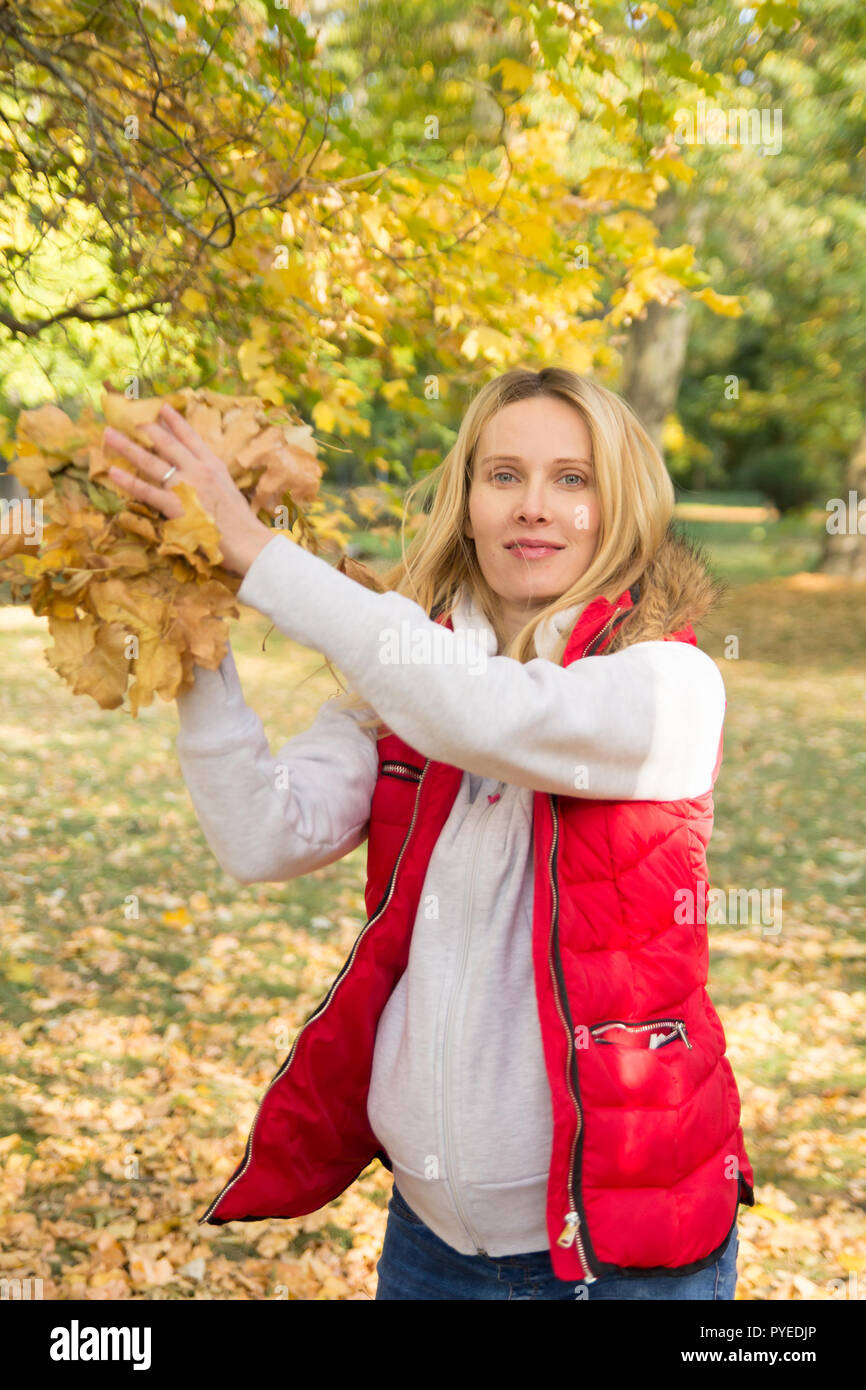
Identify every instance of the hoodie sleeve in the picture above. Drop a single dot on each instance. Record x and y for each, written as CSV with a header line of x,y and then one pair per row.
x,y
272,817
641,724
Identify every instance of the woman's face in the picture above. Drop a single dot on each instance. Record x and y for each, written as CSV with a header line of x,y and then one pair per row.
x,y
533,477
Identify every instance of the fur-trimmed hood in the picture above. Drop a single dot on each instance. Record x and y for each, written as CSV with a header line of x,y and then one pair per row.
x,y
675,590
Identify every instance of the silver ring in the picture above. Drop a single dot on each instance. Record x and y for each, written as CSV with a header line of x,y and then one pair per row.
x,y
173,469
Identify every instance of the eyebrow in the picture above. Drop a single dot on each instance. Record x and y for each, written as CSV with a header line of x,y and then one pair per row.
x,y
515,458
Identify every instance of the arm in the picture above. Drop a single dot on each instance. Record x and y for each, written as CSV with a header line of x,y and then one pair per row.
x,y
640,724
264,824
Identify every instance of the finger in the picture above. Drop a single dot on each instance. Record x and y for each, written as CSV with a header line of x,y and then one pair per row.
x,y
122,444
153,465
168,447
189,437
159,498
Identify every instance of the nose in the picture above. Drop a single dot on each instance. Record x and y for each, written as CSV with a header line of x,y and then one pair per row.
x,y
532,505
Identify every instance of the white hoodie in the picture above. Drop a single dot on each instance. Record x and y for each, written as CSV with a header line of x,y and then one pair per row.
x,y
458,1096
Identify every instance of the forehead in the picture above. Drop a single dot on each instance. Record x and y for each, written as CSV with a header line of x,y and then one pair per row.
x,y
541,426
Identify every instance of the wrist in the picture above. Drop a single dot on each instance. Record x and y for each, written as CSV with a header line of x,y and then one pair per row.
x,y
251,545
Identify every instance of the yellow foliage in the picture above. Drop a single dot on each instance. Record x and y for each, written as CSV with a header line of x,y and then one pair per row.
x,y
488,342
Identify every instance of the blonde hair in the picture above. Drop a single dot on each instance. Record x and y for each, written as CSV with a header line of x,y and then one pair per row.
x,y
636,503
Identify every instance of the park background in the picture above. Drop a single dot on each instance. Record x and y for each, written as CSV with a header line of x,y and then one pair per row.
x,y
366,211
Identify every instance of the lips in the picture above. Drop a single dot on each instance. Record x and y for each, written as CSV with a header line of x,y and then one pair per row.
x,y
533,545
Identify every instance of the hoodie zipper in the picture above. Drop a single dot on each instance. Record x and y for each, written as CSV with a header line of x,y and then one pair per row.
x,y
570,1234
328,997
446,1051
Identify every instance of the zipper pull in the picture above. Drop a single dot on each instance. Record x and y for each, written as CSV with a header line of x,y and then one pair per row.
x,y
569,1230
681,1029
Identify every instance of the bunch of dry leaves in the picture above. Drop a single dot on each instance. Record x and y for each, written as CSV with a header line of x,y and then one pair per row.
x,y
135,600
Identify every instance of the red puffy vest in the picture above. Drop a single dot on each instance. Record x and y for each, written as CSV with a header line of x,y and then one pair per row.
x,y
648,1163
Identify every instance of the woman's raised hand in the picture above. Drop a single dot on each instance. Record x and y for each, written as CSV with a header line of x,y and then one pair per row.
x,y
175,442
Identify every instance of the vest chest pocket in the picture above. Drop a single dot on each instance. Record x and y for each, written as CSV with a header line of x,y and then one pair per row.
x,y
406,772
645,1063
649,1034
393,804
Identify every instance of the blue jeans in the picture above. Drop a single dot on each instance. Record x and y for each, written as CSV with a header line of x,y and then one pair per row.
x,y
416,1264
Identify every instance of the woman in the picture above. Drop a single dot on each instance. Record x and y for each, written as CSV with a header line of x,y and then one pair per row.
x,y
521,1031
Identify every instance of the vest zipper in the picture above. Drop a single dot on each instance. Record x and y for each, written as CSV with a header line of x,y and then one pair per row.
x,y
320,1009
618,613
449,1167
570,1234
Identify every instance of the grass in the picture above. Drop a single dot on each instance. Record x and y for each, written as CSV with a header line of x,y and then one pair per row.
x,y
137,1047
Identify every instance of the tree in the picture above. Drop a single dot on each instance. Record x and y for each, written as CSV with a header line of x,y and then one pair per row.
x,y
364,237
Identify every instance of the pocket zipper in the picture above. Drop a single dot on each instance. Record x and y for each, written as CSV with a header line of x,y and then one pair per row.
x,y
652,1026
407,772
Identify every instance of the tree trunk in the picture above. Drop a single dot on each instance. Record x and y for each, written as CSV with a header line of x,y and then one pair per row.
x,y
656,350
845,553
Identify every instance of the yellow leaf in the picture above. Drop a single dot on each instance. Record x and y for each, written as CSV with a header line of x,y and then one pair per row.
x,y
675,260
72,642
114,601
771,1213
103,672
52,432
194,301
727,304
272,386
30,468
19,972
177,918
613,184
516,77
673,436
193,530
158,671
324,416
489,342
372,220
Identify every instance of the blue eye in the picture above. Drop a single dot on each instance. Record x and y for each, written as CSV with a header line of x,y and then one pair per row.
x,y
505,473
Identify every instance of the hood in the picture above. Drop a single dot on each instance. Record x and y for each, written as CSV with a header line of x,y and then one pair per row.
x,y
675,590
